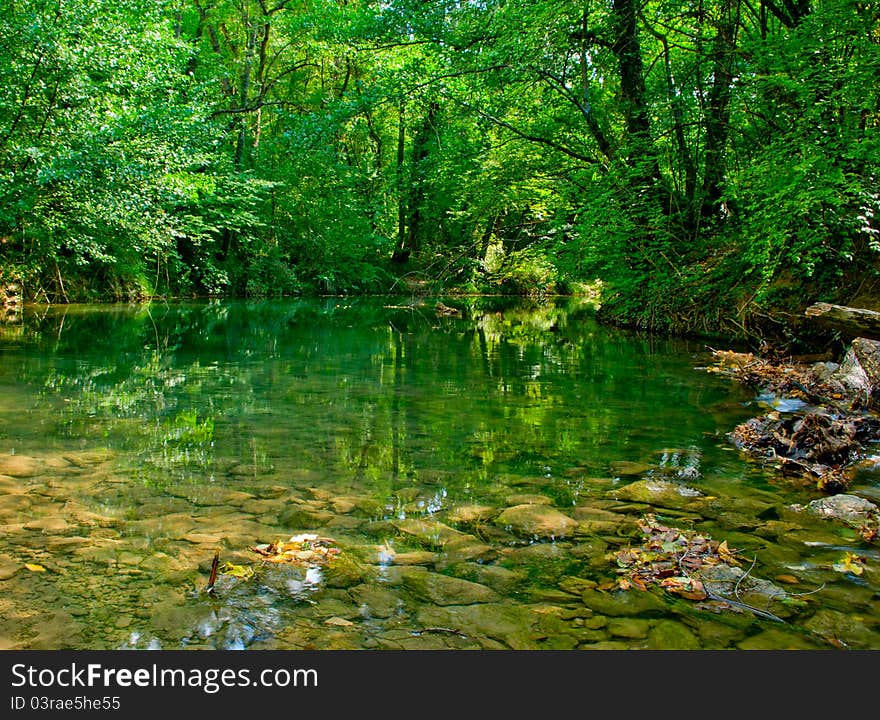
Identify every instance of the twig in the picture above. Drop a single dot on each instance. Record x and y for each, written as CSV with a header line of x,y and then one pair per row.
x,y
213,576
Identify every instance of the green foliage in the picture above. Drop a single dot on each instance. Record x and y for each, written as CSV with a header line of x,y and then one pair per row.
x,y
700,164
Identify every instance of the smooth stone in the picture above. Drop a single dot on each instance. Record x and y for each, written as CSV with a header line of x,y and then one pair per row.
x,y
527,499
19,466
297,517
849,628
576,585
658,492
256,506
776,640
624,603
375,601
628,468
540,521
500,579
89,458
849,509
471,514
464,549
8,567
431,533
53,525
443,589
343,506
591,512
417,557
671,635
516,627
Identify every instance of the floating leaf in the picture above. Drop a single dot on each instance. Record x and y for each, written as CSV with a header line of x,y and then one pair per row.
x,y
33,567
850,563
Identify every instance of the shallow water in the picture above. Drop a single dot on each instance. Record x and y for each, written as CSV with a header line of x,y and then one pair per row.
x,y
136,441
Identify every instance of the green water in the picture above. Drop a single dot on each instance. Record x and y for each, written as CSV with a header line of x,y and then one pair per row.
x,y
135,442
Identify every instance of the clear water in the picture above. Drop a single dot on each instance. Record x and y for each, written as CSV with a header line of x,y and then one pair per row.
x,y
135,442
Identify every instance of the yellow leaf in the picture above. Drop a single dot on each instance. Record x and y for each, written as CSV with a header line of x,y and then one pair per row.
x,y
33,567
852,563
239,571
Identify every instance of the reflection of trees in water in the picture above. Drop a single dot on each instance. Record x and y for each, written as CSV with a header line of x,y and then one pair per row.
x,y
368,392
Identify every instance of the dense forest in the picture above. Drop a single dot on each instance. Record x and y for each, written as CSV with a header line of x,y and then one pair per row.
x,y
702,164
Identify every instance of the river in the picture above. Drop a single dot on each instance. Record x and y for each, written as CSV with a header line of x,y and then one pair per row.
x,y
449,482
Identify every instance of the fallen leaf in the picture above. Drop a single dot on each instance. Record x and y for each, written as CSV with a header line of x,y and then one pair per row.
x,y
33,567
851,563
238,571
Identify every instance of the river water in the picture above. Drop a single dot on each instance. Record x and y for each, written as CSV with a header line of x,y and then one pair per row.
x,y
453,482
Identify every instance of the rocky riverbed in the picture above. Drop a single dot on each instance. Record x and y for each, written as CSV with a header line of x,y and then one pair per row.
x,y
89,559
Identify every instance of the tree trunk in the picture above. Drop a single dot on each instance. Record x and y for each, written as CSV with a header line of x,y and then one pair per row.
x,y
401,252
855,322
718,111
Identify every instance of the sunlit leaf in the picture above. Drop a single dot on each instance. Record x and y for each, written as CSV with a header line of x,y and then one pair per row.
x,y
850,563
33,567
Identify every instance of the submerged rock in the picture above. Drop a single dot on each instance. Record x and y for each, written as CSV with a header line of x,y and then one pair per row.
x,y
19,465
849,509
443,589
671,635
471,514
622,603
540,521
664,493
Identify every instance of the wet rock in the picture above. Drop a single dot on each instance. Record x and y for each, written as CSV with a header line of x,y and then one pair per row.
x,y
20,466
735,584
8,567
592,512
297,517
500,579
375,601
202,538
343,522
605,645
628,468
539,553
417,557
344,572
49,525
576,585
539,521
850,629
465,549
431,533
443,589
343,506
471,514
527,499
849,509
329,608
256,506
11,486
620,603
514,626
89,458
671,635
630,628
592,550
774,639
663,493
720,635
